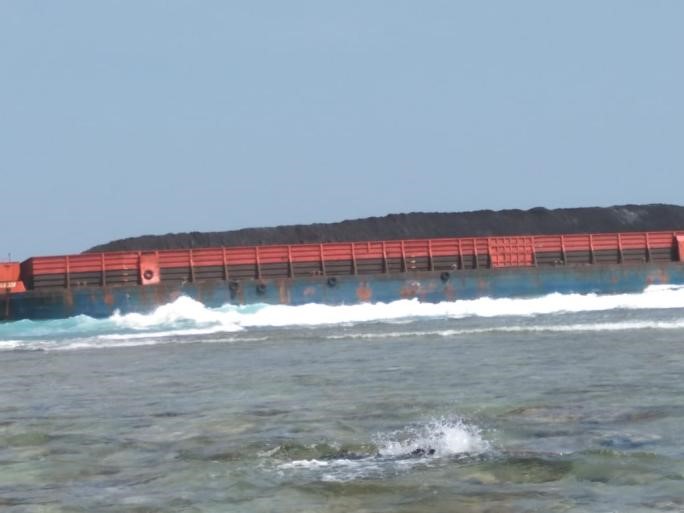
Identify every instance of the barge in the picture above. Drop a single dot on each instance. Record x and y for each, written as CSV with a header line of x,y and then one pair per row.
x,y
432,270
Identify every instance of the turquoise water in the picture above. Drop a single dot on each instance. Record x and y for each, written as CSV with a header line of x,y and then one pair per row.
x,y
558,404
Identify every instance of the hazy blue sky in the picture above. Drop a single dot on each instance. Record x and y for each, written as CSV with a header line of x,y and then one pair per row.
x,y
121,118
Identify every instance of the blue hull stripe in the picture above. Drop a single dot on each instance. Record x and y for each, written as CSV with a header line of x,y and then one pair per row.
x,y
426,286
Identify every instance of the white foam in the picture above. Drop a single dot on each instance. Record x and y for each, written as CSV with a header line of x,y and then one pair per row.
x,y
338,470
9,345
164,334
398,451
116,341
438,438
151,338
307,464
604,326
577,327
182,311
186,317
185,311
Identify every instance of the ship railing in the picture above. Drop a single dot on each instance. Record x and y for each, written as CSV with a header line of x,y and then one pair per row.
x,y
350,258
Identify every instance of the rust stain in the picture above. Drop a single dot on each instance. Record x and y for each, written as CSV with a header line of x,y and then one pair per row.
x,y
309,291
449,292
147,297
482,284
68,298
364,292
657,277
410,290
205,290
283,294
158,296
108,298
6,308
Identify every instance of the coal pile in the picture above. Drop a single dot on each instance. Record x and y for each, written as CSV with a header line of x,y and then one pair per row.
x,y
418,225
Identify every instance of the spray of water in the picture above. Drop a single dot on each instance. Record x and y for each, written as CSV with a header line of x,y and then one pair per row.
x,y
438,440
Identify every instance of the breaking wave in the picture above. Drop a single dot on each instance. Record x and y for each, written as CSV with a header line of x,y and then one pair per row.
x,y
188,318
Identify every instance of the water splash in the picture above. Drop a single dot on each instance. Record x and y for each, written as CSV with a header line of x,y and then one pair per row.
x,y
438,438
183,313
429,443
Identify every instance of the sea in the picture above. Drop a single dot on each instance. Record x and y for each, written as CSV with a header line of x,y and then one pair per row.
x,y
562,403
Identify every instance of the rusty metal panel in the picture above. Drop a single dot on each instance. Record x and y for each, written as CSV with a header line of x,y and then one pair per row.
x,y
149,269
10,278
680,247
9,271
511,251
369,257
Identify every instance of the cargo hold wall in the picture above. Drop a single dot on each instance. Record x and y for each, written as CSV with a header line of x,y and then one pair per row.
x,y
342,259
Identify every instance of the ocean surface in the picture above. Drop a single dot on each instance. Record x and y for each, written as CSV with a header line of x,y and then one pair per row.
x,y
563,403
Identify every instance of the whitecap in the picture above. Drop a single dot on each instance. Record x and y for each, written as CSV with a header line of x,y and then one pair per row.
x,y
187,317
